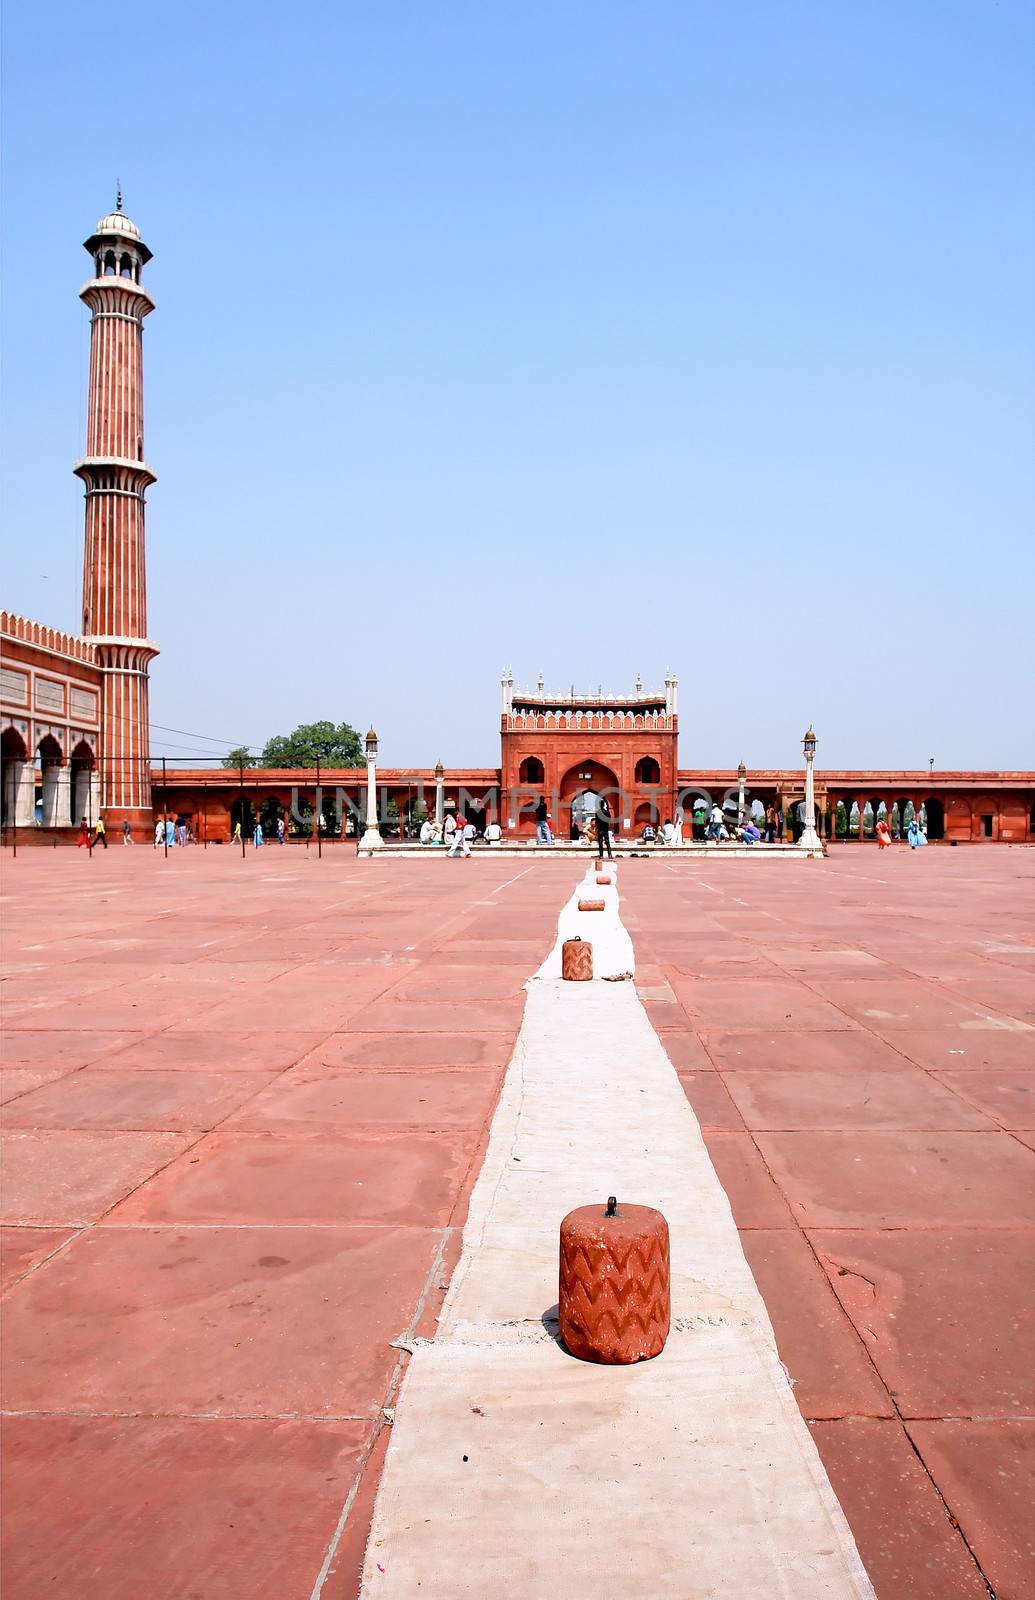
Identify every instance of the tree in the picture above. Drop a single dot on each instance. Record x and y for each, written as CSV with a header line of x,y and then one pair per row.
x,y
241,757
332,745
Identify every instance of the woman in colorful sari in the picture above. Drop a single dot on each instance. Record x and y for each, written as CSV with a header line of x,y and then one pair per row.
x,y
883,833
917,836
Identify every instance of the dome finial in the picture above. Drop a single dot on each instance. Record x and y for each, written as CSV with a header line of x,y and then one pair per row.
x,y
118,194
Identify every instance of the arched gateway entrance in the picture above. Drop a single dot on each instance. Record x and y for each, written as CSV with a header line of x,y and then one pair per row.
x,y
581,787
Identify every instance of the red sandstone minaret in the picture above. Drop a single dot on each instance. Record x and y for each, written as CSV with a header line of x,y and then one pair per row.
x,y
116,478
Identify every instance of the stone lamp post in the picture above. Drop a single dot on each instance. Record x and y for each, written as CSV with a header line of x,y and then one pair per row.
x,y
810,838
371,839
440,800
742,773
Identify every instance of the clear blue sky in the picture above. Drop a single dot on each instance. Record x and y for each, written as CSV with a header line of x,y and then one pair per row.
x,y
591,338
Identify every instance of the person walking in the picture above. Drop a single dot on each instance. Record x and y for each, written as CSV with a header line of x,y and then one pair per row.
x,y
127,833
917,836
883,833
100,833
604,818
461,841
543,834
237,833
771,822
84,835
257,839
280,829
159,834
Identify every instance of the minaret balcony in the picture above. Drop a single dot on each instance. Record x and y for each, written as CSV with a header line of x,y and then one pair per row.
x,y
116,296
114,475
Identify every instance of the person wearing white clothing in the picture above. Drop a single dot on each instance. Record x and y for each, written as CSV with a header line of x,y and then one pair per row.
x,y
461,840
493,833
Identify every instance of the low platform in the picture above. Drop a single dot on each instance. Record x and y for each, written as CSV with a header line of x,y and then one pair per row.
x,y
623,851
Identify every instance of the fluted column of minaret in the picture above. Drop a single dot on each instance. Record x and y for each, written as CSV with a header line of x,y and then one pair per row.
x,y
116,478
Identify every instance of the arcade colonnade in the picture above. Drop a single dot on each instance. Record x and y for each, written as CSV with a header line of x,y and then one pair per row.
x,y
961,807
49,787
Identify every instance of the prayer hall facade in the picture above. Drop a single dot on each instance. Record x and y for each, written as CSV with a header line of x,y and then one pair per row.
x,y
74,719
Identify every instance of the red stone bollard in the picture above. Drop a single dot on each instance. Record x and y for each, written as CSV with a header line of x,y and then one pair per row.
x,y
576,960
615,1292
591,905
598,865
603,877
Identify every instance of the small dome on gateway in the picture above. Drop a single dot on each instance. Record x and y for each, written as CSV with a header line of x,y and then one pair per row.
x,y
118,222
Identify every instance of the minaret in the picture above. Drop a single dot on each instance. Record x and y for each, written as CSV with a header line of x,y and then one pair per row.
x,y
116,478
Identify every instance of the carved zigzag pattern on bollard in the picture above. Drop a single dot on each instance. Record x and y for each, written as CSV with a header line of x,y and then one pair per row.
x,y
615,1299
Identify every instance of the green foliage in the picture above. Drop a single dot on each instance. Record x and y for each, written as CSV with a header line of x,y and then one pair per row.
x,y
330,744
841,820
240,757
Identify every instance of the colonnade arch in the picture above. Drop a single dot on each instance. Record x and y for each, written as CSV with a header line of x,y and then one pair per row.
x,y
50,758
17,780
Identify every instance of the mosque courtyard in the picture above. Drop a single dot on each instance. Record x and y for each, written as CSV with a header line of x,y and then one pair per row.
x,y
246,1103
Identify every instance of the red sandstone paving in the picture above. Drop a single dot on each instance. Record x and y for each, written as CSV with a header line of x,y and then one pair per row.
x,y
178,1050
16,1081
74,1177
22,1248
755,1200
260,1321
1007,1097
711,1101
169,1101
833,1373
686,1052
986,1471
853,1053
230,1362
346,1570
754,1003
948,1317
175,1319
311,1099
408,1177
82,1498
925,1318
903,1101
990,1047
378,1050
905,1537
890,1179
901,1003
50,1048
389,1016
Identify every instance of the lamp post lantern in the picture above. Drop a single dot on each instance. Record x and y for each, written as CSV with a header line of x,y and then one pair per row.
x,y
741,776
440,803
809,837
371,839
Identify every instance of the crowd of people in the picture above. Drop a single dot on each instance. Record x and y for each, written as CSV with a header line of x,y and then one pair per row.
x,y
98,835
457,834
